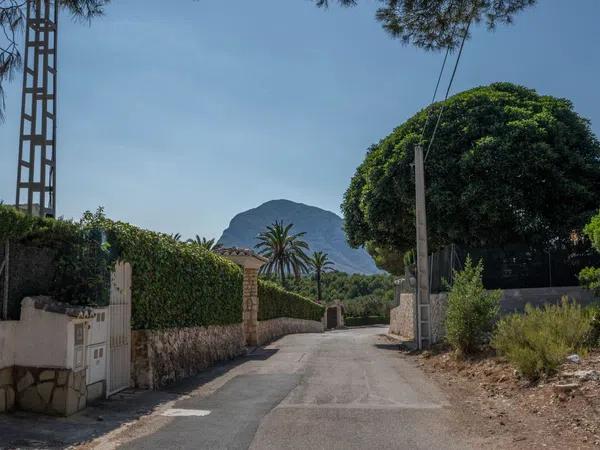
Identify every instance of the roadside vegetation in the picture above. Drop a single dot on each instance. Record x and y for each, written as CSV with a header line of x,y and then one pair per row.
x,y
536,343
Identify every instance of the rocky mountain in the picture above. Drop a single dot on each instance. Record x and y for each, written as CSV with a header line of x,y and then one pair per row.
x,y
323,232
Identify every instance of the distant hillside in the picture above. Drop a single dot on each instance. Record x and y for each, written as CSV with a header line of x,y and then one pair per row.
x,y
323,232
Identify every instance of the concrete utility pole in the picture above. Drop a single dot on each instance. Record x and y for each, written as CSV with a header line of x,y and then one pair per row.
x,y
423,300
36,171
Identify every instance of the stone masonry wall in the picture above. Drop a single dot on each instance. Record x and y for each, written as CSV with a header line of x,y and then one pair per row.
x,y
402,317
50,391
160,357
269,330
250,305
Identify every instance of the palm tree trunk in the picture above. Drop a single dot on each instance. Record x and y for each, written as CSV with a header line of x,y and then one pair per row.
x,y
282,273
319,285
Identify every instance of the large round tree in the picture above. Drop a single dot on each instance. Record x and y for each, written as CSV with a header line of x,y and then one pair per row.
x,y
507,165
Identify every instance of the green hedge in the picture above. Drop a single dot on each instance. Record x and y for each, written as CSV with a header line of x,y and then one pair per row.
x,y
175,284
78,271
361,321
275,302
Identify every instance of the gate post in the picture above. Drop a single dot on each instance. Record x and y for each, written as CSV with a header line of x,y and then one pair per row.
x,y
250,263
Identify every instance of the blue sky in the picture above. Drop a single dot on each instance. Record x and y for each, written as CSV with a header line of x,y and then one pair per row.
x,y
176,119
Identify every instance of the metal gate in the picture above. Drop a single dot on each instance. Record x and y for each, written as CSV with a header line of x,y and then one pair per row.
x,y
119,312
332,313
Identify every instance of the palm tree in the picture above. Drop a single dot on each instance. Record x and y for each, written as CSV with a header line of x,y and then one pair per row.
x,y
207,244
285,251
320,263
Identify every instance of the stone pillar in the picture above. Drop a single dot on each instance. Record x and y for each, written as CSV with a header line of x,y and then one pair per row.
x,y
250,302
250,263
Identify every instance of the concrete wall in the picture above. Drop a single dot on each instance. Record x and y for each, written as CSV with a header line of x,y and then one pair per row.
x,y
402,319
269,330
160,357
42,338
41,368
7,343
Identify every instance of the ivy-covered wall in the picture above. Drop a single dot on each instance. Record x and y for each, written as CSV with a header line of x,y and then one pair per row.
x,y
175,284
274,302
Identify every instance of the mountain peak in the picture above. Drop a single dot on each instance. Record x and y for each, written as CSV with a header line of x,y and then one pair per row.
x,y
323,232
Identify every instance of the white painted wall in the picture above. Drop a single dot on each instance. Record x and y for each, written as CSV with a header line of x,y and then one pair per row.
x,y
7,343
46,339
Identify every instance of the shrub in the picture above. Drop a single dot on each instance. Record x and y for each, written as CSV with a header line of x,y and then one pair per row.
x,y
538,341
471,310
370,320
175,284
78,270
274,302
589,277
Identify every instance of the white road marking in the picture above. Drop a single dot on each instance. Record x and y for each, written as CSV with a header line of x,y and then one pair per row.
x,y
175,412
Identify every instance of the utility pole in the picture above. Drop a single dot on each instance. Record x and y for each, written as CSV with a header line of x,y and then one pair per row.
x,y
36,170
423,300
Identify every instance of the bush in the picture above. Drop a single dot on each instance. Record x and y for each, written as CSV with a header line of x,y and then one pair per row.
x,y
362,321
539,340
471,310
175,284
275,302
78,271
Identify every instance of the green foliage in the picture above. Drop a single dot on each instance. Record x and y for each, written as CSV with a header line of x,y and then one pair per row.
x,y
496,146
320,263
369,305
343,286
369,320
589,277
277,302
537,342
592,231
285,251
207,244
437,24
471,309
83,259
176,284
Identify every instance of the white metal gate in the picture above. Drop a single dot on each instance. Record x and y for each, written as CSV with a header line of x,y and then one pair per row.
x,y
119,312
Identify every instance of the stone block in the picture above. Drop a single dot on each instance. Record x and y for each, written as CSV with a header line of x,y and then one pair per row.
x,y
30,400
59,400
6,376
24,381
47,375
10,398
3,405
45,391
62,378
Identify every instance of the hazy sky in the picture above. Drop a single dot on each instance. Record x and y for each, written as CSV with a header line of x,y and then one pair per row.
x,y
176,118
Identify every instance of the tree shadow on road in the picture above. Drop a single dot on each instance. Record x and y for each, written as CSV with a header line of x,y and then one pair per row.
x,y
28,430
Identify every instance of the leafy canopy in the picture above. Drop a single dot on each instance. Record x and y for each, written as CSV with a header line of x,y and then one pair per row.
x,y
284,249
436,24
508,165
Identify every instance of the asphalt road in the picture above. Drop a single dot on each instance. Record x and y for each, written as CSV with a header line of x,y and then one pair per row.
x,y
346,389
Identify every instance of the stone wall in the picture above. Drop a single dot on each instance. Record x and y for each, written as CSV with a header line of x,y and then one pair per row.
x,y
513,300
250,305
269,330
160,357
50,391
402,317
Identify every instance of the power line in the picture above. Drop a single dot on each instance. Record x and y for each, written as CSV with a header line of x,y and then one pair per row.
x,y
462,44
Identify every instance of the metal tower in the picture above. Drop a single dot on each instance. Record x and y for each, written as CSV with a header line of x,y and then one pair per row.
x,y
36,172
